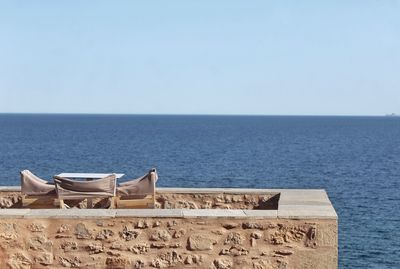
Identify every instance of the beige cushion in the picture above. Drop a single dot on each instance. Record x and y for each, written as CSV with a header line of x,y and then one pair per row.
x,y
74,189
35,186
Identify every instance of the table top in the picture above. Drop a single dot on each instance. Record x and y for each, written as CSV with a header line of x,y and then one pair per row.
x,y
88,175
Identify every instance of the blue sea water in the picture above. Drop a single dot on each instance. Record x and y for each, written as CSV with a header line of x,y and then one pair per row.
x,y
356,159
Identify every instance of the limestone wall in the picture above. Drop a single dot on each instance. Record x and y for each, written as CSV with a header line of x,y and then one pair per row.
x,y
193,228
167,243
167,200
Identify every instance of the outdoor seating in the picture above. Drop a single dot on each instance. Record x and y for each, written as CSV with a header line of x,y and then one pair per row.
x,y
68,189
36,192
138,193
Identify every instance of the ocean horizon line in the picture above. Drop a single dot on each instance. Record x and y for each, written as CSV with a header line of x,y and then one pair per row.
x,y
195,114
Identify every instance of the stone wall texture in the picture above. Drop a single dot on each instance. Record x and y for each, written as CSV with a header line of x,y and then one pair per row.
x,y
190,228
132,242
175,200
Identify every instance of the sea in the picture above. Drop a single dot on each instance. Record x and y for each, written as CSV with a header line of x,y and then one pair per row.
x,y
355,159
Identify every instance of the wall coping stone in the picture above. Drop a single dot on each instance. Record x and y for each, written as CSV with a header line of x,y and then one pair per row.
x,y
149,213
213,213
293,204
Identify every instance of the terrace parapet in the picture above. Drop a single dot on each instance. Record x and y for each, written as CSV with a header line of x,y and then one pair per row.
x,y
191,228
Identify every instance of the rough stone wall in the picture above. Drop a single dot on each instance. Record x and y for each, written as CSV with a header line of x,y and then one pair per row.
x,y
216,243
10,199
174,200
217,201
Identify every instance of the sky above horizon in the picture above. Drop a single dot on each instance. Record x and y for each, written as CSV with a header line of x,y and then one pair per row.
x,y
200,57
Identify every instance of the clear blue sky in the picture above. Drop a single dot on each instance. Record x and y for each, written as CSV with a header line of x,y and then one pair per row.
x,y
200,57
